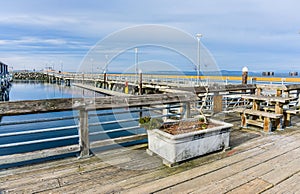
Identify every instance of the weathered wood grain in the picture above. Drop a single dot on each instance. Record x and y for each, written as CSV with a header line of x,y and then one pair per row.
x,y
252,166
99,103
8,159
220,88
255,186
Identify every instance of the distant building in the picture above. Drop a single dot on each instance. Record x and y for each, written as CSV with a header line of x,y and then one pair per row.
x,y
294,73
3,69
268,73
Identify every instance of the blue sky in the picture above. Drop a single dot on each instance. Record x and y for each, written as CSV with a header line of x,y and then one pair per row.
x,y
261,34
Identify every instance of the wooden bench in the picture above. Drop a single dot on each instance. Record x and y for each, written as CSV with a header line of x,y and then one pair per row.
x,y
288,114
265,120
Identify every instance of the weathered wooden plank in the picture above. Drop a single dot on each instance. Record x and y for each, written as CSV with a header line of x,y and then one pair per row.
x,y
256,123
243,178
118,140
29,175
39,186
147,184
208,180
166,183
112,180
102,185
283,171
273,87
269,98
65,104
38,154
220,88
290,185
292,87
103,91
258,113
34,106
255,186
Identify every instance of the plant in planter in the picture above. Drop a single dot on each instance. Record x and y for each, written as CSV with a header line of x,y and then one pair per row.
x,y
186,138
150,123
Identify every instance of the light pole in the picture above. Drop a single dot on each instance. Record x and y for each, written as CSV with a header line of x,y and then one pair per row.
x,y
198,36
136,64
92,65
61,66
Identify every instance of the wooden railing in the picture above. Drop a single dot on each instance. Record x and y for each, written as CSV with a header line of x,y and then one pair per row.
x,y
82,127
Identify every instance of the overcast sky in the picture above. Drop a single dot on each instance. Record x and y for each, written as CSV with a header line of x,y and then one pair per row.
x,y
261,34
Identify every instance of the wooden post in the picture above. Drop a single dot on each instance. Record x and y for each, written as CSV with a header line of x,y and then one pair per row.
x,y
267,124
258,91
243,120
187,112
255,105
278,108
84,142
278,92
126,88
218,103
104,80
244,75
287,119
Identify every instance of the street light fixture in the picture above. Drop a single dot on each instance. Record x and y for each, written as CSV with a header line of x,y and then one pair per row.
x,y
198,36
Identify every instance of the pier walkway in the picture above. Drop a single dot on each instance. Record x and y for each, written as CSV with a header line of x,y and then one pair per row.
x,y
100,90
256,163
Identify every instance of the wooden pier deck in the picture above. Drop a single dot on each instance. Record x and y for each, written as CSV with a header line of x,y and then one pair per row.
x,y
100,90
256,163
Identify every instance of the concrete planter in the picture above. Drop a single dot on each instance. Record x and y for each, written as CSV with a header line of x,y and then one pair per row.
x,y
177,148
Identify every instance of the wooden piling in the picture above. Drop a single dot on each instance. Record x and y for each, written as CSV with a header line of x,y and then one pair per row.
x,y
244,75
104,80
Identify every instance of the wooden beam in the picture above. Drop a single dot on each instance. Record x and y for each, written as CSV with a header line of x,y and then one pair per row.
x,y
35,106
220,88
14,158
292,87
65,104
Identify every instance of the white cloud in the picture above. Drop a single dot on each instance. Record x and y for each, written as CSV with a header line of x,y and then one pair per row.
x,y
232,26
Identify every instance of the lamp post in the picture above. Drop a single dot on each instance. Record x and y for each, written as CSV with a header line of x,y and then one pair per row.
x,y
105,71
198,36
61,66
92,69
136,64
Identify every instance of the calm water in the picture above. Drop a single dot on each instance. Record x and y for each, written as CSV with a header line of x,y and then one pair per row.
x,y
35,91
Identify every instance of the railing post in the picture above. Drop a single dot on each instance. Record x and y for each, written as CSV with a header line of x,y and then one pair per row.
x,y
187,113
218,103
84,142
